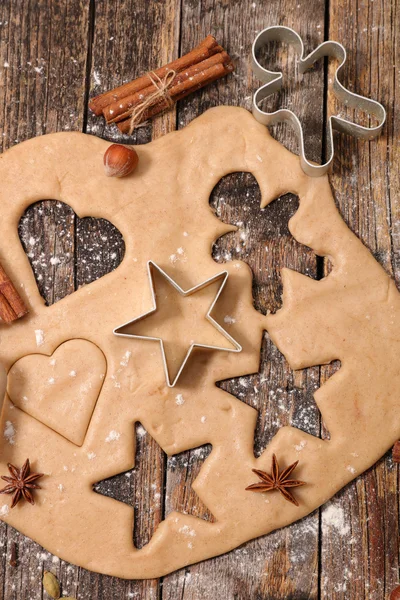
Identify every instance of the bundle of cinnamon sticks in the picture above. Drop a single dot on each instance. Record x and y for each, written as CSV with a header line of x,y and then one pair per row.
x,y
144,97
12,306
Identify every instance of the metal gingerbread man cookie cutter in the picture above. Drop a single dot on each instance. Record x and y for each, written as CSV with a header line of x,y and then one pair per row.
x,y
273,83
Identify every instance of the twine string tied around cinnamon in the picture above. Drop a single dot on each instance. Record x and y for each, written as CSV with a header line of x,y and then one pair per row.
x,y
162,86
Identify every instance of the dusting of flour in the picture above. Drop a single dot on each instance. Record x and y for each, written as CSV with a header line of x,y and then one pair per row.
x,y
334,517
9,432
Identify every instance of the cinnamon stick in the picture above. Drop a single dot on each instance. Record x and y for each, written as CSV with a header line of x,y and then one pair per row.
x,y
182,90
205,49
118,111
12,306
396,452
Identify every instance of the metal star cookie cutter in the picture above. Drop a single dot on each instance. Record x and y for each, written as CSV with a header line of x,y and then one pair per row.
x,y
273,83
224,276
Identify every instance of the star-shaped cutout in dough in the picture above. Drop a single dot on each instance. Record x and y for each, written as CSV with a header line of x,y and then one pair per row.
x,y
148,502
155,269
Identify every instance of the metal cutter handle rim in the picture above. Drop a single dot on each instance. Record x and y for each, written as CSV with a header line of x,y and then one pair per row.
x,y
273,83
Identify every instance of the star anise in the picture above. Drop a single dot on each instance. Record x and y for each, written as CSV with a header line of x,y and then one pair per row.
x,y
21,483
277,481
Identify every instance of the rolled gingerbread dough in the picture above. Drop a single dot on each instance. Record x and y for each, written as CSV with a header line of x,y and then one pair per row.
x,y
352,315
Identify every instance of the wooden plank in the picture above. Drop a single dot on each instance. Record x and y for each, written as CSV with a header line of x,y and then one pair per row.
x,y
51,231
284,564
47,232
360,527
42,70
99,248
128,40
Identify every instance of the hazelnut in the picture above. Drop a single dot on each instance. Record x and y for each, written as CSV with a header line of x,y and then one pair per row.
x,y
395,595
120,161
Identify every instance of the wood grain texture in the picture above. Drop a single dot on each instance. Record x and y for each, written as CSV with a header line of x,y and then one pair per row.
x,y
43,58
363,563
276,566
128,39
52,56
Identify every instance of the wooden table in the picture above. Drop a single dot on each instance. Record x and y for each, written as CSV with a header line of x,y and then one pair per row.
x,y
53,56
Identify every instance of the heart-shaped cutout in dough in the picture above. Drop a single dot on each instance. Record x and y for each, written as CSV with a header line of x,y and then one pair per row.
x,y
37,228
60,390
